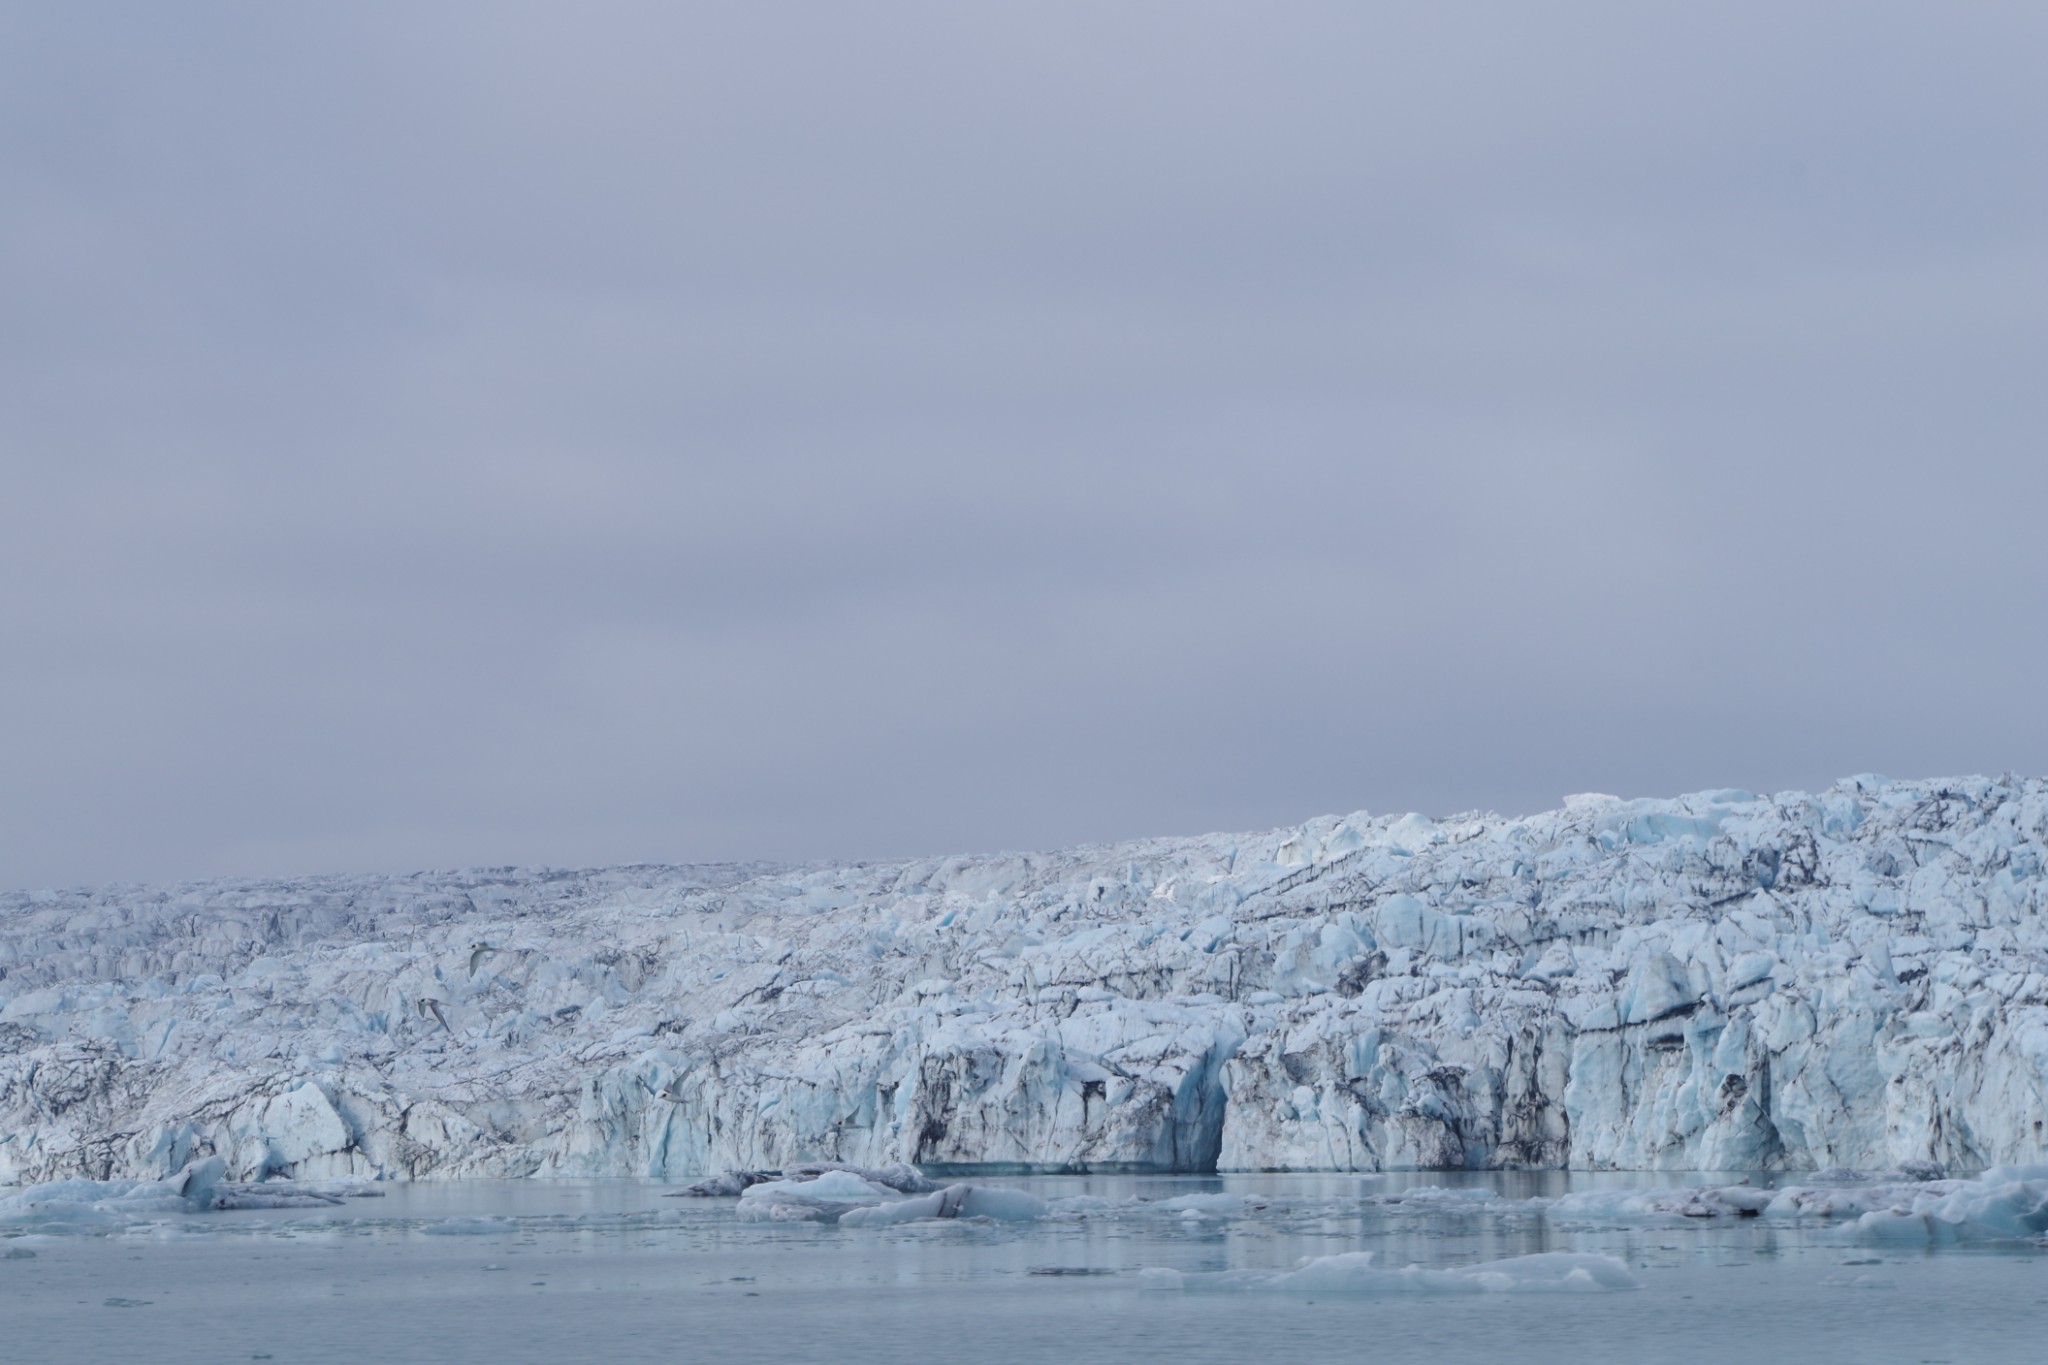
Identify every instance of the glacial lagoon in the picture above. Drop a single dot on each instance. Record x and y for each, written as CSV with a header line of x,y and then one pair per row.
x,y
1473,1267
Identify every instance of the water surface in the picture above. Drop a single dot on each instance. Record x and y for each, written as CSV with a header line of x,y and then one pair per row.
x,y
616,1270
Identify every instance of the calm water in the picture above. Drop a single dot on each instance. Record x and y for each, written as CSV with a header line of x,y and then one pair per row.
x,y
613,1271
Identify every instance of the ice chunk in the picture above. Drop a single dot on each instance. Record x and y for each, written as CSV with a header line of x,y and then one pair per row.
x,y
820,1199
954,1201
277,1195
900,1175
2007,1203
838,1194
840,1185
115,1202
1692,1201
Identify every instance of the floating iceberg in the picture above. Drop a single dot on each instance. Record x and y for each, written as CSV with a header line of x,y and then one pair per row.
x,y
1715,982
198,1188
954,1201
851,1199
2006,1203
821,1199
1695,1201
74,1202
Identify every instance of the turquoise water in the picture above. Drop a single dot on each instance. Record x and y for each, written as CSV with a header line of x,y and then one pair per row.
x,y
617,1271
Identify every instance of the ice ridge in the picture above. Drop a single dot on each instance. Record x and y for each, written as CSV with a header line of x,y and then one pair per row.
x,y
1714,982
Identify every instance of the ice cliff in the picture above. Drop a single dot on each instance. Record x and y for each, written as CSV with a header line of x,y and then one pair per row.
x,y
1721,981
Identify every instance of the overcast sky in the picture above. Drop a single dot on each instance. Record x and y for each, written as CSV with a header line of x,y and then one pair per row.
x,y
439,434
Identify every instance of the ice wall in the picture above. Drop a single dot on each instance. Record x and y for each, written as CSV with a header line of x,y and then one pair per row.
x,y
1714,982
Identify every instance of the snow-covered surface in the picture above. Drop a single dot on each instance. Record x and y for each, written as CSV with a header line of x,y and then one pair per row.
x,y
1717,982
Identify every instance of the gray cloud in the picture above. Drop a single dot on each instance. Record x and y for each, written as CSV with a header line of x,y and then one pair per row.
x,y
492,433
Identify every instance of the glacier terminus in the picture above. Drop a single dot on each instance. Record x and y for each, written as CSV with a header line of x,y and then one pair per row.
x,y
1717,982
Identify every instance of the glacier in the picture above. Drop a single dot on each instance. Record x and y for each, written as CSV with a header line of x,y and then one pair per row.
x,y
1715,982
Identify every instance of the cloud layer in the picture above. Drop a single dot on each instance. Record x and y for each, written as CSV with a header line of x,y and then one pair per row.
x,y
514,433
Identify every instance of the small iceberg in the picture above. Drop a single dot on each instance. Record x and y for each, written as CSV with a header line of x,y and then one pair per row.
x,y
86,1205
900,1176
62,1203
1909,1204
2006,1203
852,1198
